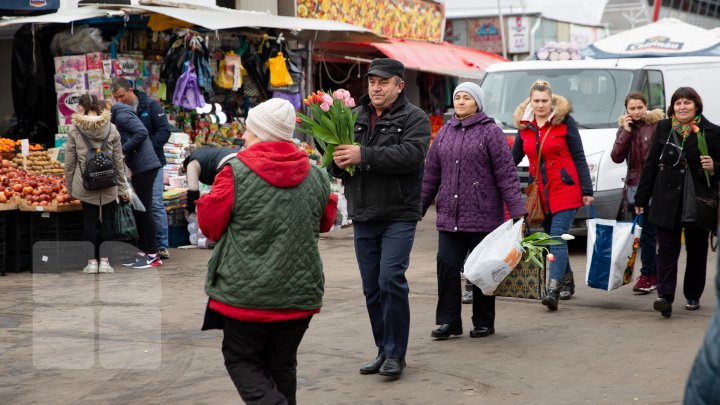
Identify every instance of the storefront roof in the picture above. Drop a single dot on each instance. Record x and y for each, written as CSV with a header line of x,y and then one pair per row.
x,y
215,18
445,58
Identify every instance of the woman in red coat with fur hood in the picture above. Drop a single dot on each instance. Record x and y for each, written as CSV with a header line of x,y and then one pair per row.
x,y
543,120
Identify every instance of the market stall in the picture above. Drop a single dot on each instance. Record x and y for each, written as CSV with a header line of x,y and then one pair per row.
x,y
207,66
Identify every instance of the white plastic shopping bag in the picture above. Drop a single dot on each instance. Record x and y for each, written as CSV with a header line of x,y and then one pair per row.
x,y
495,257
611,250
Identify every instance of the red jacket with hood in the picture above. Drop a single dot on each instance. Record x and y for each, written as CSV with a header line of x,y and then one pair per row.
x,y
564,175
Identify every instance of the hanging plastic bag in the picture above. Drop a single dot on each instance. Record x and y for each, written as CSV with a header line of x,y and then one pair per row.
x,y
229,76
279,73
187,92
133,198
495,257
124,227
611,251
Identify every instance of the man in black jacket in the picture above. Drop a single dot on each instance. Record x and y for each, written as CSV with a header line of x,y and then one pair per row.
x,y
153,117
384,203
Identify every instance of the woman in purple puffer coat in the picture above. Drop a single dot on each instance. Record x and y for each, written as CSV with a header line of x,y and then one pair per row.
x,y
471,172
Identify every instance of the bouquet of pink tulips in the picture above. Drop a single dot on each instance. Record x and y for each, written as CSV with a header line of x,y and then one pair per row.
x,y
331,122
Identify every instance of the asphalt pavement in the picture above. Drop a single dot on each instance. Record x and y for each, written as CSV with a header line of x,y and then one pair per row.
x,y
134,338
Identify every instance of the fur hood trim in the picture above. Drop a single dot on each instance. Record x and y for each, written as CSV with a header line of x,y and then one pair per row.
x,y
92,124
651,117
560,105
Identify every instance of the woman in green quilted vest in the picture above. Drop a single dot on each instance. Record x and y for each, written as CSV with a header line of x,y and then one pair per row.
x,y
265,278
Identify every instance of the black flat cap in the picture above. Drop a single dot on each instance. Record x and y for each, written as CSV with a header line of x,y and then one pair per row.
x,y
386,68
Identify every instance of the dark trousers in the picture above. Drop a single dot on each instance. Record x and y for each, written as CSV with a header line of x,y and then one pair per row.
x,y
143,185
383,254
261,359
453,249
696,245
96,228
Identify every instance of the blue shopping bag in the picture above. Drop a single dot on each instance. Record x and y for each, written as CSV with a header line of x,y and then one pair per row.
x,y
611,251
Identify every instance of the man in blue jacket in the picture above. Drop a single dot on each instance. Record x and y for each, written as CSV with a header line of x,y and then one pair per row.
x,y
153,117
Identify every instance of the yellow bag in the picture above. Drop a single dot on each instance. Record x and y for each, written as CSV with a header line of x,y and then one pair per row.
x,y
228,75
279,74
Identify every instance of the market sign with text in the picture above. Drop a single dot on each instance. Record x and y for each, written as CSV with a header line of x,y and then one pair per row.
x,y
656,43
404,19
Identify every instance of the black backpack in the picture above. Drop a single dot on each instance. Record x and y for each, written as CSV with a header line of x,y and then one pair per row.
x,y
99,166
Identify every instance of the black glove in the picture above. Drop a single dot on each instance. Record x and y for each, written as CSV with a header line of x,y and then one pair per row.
x,y
192,197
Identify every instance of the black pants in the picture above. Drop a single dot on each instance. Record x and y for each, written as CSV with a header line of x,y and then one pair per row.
x,y
696,245
453,248
143,185
97,229
261,359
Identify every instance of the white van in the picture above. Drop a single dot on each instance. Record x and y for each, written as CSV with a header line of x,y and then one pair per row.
x,y
597,90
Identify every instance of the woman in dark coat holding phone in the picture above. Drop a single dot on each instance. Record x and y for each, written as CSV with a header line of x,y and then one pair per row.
x,y
674,150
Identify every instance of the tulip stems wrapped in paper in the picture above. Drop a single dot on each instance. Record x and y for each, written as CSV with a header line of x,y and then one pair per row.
x,y
331,122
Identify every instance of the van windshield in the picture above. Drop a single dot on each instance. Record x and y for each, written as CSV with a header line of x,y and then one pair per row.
x,y
597,95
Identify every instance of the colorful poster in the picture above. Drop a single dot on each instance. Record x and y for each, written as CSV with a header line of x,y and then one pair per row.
x,y
518,34
484,34
405,19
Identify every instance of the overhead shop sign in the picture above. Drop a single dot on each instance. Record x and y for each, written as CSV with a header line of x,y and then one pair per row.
x,y
402,19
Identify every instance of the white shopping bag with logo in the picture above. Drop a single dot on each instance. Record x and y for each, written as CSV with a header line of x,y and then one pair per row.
x,y
495,257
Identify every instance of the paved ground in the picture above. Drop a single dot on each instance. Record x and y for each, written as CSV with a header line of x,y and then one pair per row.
x,y
134,338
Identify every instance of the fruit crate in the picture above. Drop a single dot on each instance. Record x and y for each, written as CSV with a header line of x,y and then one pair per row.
x,y
178,236
49,226
176,217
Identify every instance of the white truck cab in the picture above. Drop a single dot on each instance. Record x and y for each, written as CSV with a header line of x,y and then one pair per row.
x,y
597,89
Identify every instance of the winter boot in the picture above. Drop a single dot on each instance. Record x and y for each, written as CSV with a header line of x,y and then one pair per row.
x,y
550,300
568,286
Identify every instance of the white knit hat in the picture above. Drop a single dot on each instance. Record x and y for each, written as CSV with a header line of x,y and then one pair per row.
x,y
273,120
474,90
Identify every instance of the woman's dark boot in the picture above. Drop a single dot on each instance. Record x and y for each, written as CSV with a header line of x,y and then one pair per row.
x,y
550,300
567,289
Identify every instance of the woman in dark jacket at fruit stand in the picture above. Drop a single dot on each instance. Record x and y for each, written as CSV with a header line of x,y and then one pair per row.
x,y
675,149
141,159
471,171
543,119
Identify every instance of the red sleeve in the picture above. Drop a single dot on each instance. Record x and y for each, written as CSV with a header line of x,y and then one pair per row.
x,y
214,209
328,218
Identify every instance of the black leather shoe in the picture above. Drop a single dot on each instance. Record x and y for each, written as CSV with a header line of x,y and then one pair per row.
x,y
692,305
374,366
663,306
392,367
446,330
482,331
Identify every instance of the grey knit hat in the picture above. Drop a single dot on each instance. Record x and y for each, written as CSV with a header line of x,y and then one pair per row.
x,y
474,90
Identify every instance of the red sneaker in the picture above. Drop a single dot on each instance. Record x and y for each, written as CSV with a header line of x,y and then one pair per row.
x,y
644,284
653,282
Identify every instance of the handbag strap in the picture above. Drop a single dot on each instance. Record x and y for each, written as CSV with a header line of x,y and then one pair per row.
x,y
542,142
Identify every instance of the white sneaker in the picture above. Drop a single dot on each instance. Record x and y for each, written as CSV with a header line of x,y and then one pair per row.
x,y
105,267
91,268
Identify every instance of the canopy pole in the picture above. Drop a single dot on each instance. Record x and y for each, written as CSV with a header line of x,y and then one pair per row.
x,y
502,30
656,10
309,83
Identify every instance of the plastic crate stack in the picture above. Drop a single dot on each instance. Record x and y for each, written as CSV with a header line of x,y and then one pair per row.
x,y
178,234
3,220
18,241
